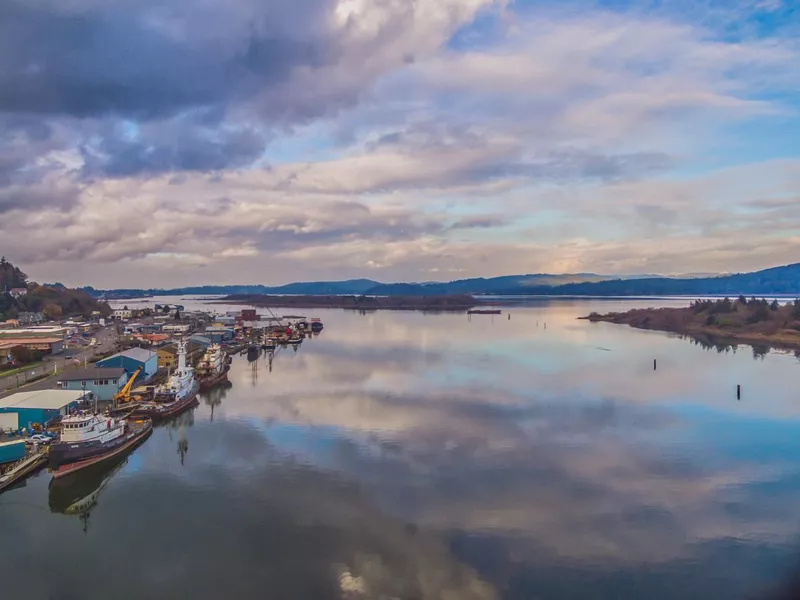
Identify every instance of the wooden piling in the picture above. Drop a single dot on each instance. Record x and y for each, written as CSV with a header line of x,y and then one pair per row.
x,y
654,364
738,391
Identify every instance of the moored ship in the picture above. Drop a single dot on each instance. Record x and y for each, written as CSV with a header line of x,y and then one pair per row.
x,y
88,438
213,367
174,396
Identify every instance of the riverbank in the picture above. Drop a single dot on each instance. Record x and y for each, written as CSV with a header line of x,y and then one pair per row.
x,y
432,303
753,322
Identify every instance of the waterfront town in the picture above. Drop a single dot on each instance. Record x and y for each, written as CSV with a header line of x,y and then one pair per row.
x,y
80,391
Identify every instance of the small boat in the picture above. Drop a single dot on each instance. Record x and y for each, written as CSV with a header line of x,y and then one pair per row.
x,y
316,325
213,367
88,438
483,312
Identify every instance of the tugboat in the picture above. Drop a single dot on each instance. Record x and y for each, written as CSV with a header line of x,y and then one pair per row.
x,y
176,395
88,438
213,367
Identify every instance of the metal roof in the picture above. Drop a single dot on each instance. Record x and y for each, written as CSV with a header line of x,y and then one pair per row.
x,y
93,373
42,399
139,354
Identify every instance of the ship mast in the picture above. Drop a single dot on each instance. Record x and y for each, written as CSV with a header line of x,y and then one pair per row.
x,y
182,357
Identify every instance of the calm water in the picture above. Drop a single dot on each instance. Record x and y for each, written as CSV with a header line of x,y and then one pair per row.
x,y
414,456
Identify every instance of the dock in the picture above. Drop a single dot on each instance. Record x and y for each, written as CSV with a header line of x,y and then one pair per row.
x,y
22,468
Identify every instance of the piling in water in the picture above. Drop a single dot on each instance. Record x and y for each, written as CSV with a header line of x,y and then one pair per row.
x,y
738,391
654,364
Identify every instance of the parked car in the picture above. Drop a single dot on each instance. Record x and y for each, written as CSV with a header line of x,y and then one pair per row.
x,y
40,438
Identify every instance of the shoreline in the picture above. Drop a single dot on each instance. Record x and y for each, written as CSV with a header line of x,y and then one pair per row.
x,y
450,303
717,323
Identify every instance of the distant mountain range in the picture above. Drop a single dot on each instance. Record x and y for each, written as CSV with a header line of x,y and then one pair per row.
x,y
778,280
321,288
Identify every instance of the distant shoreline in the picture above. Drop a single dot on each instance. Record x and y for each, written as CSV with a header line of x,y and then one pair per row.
x,y
454,303
752,322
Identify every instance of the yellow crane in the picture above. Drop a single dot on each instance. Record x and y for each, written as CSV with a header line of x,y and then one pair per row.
x,y
124,395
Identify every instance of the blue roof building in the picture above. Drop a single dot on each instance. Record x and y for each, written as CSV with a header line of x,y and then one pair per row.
x,y
132,359
103,382
40,406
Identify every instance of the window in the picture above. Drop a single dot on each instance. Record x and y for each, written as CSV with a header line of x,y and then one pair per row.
x,y
83,383
115,382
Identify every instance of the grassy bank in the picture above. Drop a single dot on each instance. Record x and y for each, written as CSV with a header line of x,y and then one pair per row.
x,y
20,370
753,321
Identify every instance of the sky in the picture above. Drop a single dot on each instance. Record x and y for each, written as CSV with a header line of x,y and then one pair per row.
x,y
146,143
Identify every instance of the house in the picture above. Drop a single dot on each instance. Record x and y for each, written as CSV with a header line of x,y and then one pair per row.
x,y
122,313
132,359
168,355
155,339
18,292
103,382
40,406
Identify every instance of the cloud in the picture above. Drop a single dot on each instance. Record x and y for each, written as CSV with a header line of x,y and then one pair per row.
x,y
441,136
186,143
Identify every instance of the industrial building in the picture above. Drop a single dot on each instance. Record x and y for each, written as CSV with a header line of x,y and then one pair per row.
x,y
178,328
46,345
218,334
201,339
103,382
43,331
132,359
23,409
168,355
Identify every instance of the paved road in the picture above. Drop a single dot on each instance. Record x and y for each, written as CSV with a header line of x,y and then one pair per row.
x,y
106,339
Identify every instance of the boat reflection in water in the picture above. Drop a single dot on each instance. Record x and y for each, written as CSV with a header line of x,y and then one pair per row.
x,y
216,395
180,424
77,495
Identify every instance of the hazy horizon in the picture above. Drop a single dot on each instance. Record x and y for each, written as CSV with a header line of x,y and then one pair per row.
x,y
273,142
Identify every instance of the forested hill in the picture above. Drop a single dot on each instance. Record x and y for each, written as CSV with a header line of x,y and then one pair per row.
x,y
783,280
349,287
53,301
778,280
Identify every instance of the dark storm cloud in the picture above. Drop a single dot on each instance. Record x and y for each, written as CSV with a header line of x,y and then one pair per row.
x,y
23,141
129,59
144,89
185,143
